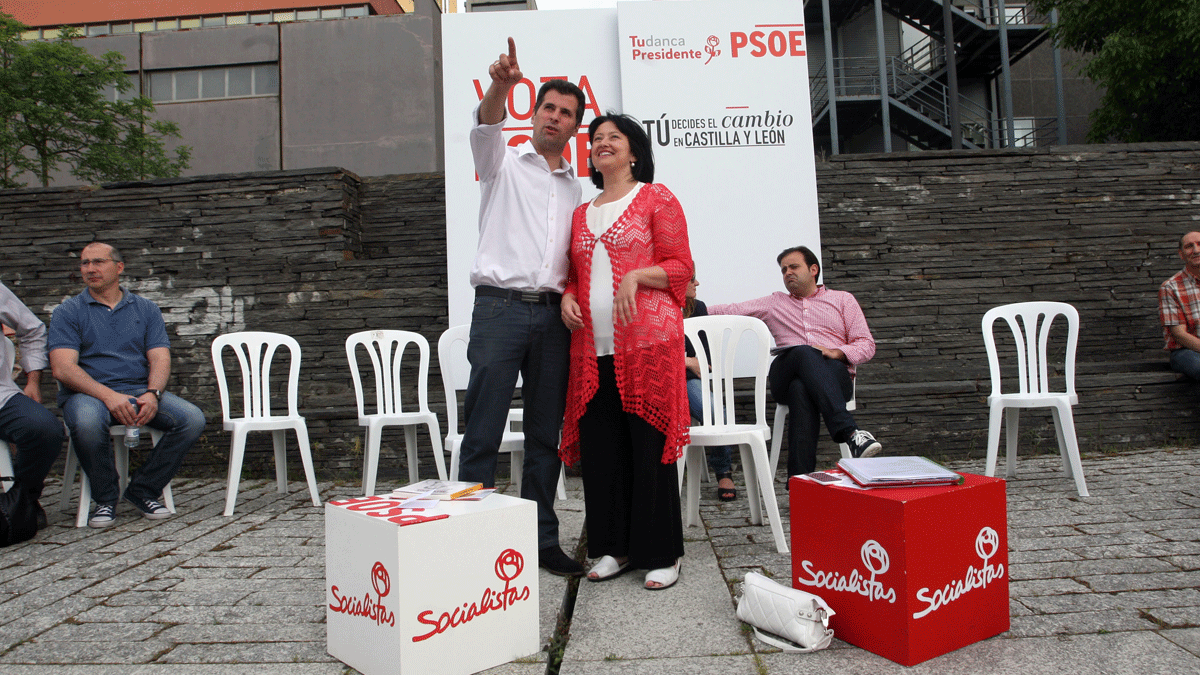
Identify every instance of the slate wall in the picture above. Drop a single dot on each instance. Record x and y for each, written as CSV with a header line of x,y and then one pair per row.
x,y
927,242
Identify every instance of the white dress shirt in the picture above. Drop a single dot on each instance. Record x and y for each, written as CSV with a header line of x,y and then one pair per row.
x,y
524,214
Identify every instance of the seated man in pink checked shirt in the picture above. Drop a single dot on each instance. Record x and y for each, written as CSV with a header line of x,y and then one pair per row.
x,y
820,335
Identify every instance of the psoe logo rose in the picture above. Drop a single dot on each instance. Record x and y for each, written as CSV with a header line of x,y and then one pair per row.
x,y
710,46
368,607
508,566
987,543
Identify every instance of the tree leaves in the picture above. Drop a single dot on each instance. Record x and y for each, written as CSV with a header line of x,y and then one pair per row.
x,y
1146,56
54,111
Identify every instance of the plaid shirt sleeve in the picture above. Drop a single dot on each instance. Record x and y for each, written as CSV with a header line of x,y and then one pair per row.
x,y
1178,305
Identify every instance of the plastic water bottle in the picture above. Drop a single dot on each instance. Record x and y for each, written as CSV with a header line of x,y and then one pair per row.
x,y
133,434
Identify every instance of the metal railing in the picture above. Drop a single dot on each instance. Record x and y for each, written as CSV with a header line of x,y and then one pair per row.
x,y
926,96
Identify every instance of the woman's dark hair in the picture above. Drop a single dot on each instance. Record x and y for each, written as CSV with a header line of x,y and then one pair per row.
x,y
639,147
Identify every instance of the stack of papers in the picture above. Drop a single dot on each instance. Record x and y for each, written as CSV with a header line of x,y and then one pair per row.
x,y
897,472
437,489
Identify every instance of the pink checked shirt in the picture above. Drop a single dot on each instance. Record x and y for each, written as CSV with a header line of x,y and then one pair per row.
x,y
830,319
1179,304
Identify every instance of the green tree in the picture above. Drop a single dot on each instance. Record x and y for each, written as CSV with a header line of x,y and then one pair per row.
x,y
1146,56
56,112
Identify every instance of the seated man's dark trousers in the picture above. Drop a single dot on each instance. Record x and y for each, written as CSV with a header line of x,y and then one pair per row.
x,y
812,387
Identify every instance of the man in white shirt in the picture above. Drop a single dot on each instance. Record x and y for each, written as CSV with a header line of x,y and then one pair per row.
x,y
24,421
528,194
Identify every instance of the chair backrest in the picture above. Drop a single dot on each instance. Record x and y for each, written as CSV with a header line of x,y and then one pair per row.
x,y
386,349
456,370
726,337
1030,324
254,351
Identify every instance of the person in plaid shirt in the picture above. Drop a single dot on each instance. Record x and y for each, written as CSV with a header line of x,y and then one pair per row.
x,y
820,336
1179,309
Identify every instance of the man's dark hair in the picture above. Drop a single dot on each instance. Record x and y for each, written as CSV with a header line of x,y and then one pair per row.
x,y
810,258
639,147
566,89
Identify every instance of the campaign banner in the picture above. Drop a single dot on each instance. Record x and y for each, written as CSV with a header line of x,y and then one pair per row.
x,y
579,46
723,90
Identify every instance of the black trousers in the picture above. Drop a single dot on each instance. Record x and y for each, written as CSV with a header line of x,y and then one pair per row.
x,y
632,498
812,387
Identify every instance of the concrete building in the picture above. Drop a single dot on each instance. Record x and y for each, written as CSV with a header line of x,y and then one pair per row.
x,y
275,84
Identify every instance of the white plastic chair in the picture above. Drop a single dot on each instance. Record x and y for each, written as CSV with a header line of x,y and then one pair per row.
x,y
456,373
120,459
254,351
725,334
1033,382
386,349
781,413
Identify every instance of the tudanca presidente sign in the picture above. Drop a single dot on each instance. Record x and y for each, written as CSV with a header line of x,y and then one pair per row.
x,y
721,88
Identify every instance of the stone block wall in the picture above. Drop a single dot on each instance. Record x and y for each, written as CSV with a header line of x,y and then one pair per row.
x,y
927,242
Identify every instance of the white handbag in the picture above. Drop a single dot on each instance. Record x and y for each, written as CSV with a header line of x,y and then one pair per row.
x,y
800,617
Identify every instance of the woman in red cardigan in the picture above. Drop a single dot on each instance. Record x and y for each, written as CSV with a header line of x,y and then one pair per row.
x,y
627,414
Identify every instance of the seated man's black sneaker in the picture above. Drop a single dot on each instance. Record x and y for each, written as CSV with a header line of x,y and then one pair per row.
x,y
149,508
863,444
553,560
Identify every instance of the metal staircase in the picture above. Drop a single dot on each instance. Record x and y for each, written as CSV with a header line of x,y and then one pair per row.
x,y
917,92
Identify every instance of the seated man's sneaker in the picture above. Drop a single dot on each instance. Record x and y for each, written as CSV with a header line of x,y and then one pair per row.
x,y
863,444
150,508
103,516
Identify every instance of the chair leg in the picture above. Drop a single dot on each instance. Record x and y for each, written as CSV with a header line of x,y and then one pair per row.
x,y
781,412
279,440
693,455
453,473
85,500
1065,422
6,465
751,470
68,486
1012,435
410,445
995,413
435,437
845,450
237,452
306,460
516,469
371,459
766,482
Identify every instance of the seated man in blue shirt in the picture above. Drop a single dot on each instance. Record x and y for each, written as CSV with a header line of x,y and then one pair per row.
x,y
110,352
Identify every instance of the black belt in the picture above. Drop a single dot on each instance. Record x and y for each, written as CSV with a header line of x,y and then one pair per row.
x,y
533,297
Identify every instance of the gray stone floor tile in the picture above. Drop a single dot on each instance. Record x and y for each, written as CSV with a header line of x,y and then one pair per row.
x,y
1187,638
712,665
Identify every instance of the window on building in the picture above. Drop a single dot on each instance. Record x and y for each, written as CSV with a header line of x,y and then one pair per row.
x,y
168,86
111,94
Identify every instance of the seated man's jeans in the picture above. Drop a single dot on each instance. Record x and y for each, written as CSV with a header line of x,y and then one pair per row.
x,y
1187,362
88,420
814,388
719,456
38,436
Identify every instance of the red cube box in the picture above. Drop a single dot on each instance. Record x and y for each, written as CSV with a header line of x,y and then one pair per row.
x,y
912,573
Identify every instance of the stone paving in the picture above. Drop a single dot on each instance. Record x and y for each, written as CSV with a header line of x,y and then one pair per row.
x,y
1104,584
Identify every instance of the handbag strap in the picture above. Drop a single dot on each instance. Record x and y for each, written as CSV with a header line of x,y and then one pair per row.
x,y
788,646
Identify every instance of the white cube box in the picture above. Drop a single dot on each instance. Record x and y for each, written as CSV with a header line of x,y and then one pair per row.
x,y
452,590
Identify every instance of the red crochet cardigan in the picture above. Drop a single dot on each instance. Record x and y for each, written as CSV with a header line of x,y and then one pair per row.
x,y
650,372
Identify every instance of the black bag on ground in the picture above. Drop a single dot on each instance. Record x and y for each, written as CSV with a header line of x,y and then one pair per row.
x,y
18,515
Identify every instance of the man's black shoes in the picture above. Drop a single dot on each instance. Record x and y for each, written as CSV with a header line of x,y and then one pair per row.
x,y
553,560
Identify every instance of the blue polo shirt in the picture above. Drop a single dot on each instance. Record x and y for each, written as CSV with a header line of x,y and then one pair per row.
x,y
112,343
